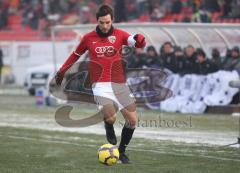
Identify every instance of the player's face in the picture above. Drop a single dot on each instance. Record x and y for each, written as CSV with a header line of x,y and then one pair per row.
x,y
105,23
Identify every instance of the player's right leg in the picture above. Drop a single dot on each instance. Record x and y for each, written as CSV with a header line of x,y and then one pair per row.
x,y
104,97
109,113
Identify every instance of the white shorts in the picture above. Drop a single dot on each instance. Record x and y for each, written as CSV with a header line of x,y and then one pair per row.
x,y
117,94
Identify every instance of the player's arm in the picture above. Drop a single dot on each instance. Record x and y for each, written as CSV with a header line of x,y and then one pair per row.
x,y
136,40
74,56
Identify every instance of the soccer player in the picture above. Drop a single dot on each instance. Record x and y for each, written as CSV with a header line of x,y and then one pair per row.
x,y
107,76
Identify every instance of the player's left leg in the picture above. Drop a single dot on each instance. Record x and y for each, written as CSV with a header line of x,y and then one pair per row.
x,y
130,115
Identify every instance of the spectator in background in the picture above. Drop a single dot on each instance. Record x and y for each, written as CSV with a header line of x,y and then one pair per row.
x,y
235,13
227,8
54,6
131,10
32,14
14,4
190,59
203,65
120,11
150,6
1,64
84,13
195,5
228,53
141,7
212,5
216,58
151,59
176,7
33,18
3,14
135,60
232,62
179,61
156,15
227,58
45,5
167,55
202,16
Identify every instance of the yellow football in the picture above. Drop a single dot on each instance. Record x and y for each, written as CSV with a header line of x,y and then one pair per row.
x,y
108,154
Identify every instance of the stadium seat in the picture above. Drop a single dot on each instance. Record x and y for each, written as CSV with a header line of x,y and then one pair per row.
x,y
15,22
215,16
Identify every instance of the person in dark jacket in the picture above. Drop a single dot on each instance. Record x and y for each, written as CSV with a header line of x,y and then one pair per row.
x,y
203,65
179,61
135,59
167,56
232,62
190,59
216,58
151,59
1,64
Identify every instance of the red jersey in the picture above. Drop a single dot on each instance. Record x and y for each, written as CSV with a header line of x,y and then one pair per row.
x,y
106,63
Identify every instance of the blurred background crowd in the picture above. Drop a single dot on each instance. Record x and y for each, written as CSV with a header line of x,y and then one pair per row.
x,y
187,60
32,20
41,14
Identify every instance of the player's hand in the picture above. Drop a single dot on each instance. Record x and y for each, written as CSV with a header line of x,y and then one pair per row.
x,y
58,79
140,41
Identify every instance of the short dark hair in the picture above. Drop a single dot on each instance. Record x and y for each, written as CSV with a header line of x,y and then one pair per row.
x,y
236,49
200,52
190,46
168,43
104,10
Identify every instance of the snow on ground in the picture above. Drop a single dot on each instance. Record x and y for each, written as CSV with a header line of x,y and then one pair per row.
x,y
178,135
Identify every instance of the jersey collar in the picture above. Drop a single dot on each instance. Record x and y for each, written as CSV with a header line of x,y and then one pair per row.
x,y
101,34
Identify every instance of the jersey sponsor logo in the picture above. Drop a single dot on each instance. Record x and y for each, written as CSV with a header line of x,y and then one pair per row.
x,y
112,39
104,49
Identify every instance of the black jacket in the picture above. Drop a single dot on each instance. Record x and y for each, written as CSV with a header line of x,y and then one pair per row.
x,y
205,67
1,58
168,61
